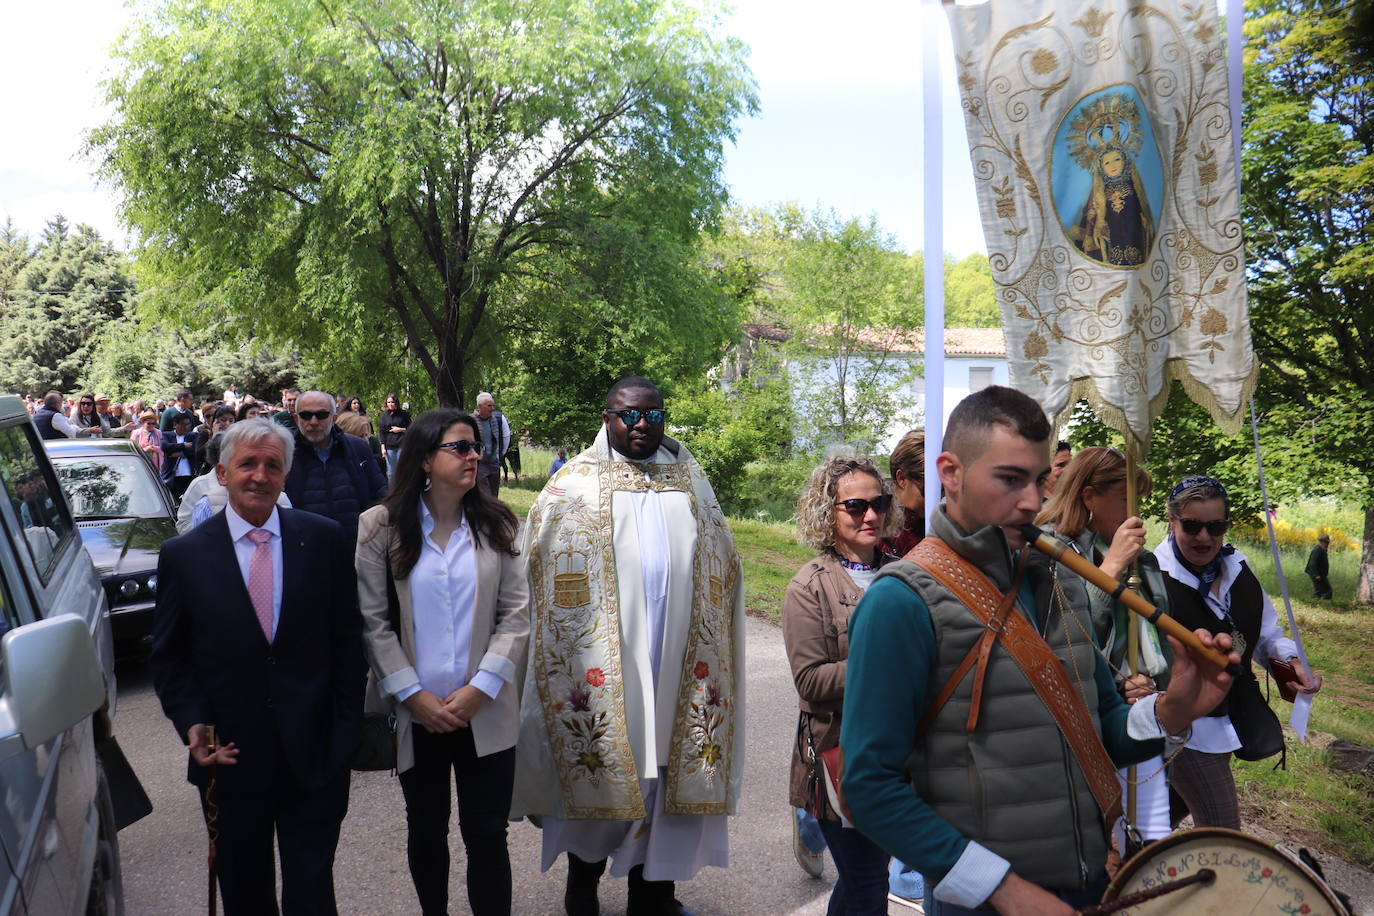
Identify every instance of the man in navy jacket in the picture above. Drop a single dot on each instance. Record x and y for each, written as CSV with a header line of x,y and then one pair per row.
x,y
333,474
272,657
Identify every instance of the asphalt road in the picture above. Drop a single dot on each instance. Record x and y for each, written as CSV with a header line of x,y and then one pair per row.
x,y
164,854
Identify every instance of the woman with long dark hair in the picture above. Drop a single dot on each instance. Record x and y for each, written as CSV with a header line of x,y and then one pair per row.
x,y
392,428
439,557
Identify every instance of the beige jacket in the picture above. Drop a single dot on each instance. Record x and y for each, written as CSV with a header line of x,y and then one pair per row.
x,y
500,634
815,630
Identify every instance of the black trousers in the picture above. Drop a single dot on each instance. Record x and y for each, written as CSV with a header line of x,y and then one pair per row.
x,y
485,785
305,825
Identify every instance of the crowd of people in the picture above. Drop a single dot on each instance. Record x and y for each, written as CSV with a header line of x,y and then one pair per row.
x,y
586,669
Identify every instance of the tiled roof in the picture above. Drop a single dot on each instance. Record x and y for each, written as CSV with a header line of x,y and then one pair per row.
x,y
958,341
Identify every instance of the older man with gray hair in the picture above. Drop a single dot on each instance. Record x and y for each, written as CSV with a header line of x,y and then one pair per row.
x,y
333,474
494,432
263,675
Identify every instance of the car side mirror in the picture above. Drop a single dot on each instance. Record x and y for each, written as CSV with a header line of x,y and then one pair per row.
x,y
52,680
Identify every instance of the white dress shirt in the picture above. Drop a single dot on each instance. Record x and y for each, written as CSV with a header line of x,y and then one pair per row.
x,y
1216,734
443,596
244,549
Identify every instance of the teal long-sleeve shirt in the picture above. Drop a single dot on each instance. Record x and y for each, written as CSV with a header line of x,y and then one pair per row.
x,y
892,652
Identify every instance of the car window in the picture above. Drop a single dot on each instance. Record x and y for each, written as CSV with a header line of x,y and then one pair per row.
x,y
117,485
9,617
31,490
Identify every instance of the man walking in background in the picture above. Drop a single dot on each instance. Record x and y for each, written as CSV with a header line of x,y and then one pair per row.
x,y
332,474
1319,568
181,408
494,431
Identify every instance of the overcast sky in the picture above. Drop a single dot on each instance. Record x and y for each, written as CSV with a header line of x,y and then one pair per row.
x,y
839,125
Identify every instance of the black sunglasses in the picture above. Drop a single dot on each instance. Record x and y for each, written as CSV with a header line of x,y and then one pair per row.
x,y
314,414
630,415
1192,526
461,446
859,507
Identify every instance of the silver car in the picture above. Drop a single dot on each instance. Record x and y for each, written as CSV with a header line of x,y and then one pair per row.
x,y
65,788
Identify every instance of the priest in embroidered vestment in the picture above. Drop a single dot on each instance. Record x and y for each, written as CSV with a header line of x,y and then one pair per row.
x,y
632,728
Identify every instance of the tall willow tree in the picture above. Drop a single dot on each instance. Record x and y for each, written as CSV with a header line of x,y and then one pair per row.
x,y
368,179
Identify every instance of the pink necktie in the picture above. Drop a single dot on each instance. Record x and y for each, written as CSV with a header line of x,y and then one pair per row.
x,y
260,579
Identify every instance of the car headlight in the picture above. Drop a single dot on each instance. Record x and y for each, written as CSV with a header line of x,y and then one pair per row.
x,y
128,588
152,585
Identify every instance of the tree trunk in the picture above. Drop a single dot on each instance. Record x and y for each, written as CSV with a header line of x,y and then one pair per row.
x,y
448,386
1364,591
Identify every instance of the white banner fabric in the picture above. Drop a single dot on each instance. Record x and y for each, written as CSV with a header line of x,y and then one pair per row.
x,y
1102,153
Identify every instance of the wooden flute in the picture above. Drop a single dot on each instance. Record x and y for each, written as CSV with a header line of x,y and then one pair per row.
x,y
1060,551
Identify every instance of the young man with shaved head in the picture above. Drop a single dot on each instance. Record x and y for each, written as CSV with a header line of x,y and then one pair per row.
x,y
999,798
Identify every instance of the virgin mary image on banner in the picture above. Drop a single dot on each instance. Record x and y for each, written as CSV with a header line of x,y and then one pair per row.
x,y
1103,139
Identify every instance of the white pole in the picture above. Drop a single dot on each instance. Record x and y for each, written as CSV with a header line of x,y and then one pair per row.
x,y
933,215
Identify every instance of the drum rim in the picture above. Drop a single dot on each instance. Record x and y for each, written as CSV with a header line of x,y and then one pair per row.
x,y
1178,837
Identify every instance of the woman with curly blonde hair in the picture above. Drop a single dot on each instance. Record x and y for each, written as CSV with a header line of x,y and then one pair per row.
x,y
844,511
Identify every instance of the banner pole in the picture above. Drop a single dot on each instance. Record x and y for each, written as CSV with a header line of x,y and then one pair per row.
x,y
932,212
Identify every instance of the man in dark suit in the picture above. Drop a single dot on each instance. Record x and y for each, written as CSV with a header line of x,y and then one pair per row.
x,y
273,658
179,455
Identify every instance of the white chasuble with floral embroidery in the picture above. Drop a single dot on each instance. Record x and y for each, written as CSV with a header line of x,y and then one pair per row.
x,y
1101,141
592,722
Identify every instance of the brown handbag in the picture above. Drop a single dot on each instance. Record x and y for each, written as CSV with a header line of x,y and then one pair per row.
x,y
1032,655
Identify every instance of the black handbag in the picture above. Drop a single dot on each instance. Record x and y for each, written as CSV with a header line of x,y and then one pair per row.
x,y
377,745
1259,730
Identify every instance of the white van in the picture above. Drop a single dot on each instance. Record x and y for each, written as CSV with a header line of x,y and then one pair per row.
x,y
61,770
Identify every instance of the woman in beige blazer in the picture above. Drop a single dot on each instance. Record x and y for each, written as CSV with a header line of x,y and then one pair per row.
x,y
453,667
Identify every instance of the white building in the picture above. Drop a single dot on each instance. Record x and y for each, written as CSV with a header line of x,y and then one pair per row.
x,y
974,359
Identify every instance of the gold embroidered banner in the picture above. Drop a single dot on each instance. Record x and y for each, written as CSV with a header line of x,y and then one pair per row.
x,y
1102,153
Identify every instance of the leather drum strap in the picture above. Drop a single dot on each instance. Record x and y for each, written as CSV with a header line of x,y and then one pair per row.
x,y
1032,655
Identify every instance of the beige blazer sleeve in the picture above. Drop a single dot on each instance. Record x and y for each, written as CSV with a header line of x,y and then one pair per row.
x,y
392,667
500,636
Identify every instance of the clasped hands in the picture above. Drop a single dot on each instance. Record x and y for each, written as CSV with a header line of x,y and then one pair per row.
x,y
449,714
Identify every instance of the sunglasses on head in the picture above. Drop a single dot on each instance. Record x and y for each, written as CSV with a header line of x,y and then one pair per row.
x,y
631,415
314,414
1192,526
460,447
859,507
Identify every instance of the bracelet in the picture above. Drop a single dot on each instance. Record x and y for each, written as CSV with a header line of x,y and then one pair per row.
x,y
1180,738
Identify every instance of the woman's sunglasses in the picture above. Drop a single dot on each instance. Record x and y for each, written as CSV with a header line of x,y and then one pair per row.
x,y
859,507
1193,527
461,447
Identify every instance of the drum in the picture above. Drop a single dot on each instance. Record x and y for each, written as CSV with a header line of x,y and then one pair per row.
x,y
1251,877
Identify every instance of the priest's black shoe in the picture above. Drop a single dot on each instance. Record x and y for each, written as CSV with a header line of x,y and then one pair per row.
x,y
579,899
652,898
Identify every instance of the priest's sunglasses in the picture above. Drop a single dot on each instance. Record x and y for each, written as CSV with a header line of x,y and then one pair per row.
x,y
630,416
859,507
460,446
1192,527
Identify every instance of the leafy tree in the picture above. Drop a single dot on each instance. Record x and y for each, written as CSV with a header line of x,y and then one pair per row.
x,y
148,361
14,255
1309,221
351,175
970,296
63,299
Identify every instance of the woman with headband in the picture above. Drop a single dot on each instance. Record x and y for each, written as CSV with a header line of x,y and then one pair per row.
x,y
1088,509
1212,586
